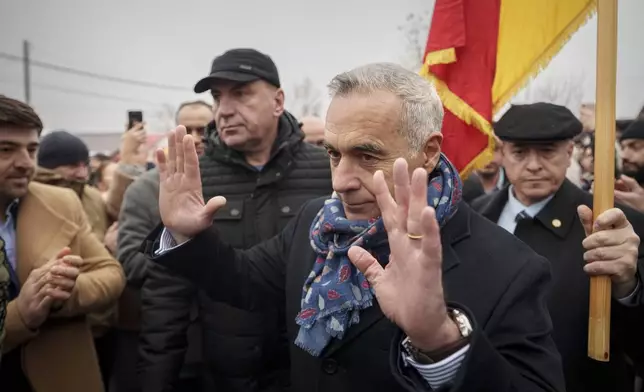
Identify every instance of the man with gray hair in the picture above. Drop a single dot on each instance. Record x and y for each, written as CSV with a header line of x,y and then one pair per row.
x,y
381,284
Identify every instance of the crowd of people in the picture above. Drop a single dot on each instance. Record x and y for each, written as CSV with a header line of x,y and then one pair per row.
x,y
262,252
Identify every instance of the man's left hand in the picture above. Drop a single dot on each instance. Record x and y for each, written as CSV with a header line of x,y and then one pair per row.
x,y
612,248
111,238
409,289
62,277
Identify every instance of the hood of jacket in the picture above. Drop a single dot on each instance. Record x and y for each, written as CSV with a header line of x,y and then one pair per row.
x,y
50,177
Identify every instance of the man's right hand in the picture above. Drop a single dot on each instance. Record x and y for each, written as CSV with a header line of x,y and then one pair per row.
x,y
181,203
133,142
40,291
629,192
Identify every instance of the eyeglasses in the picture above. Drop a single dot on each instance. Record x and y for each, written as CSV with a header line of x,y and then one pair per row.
x,y
195,130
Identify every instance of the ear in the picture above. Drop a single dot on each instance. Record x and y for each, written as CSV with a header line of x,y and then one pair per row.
x,y
432,151
570,148
279,102
500,146
504,150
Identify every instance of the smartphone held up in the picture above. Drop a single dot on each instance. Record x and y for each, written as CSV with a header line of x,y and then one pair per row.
x,y
134,117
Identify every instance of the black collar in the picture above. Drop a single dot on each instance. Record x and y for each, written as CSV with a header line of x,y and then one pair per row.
x,y
558,216
492,204
288,140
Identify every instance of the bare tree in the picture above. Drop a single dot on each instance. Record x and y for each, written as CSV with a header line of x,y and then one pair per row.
x,y
415,31
560,89
306,99
565,91
163,119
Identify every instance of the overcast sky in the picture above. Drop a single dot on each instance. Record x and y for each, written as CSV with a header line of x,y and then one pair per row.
x,y
173,42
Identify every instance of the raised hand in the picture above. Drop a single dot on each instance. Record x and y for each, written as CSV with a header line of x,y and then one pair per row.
x,y
409,289
181,205
133,149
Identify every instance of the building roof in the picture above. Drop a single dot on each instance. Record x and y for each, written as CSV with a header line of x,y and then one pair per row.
x,y
108,142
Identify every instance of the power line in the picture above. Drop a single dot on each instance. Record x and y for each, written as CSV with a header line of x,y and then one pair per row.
x,y
83,93
109,78
92,94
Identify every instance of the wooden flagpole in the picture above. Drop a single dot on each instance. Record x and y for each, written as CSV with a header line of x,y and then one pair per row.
x,y
600,286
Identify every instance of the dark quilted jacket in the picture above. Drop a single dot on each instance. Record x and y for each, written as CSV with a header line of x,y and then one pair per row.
x,y
242,351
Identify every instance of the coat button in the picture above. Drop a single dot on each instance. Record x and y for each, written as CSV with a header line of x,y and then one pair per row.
x,y
330,366
286,209
234,212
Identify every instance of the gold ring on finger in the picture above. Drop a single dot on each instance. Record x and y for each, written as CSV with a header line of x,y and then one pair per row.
x,y
414,236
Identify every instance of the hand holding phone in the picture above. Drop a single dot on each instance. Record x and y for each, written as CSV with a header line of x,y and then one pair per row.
x,y
134,117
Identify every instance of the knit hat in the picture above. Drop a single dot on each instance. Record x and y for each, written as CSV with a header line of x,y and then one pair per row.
x,y
634,131
60,148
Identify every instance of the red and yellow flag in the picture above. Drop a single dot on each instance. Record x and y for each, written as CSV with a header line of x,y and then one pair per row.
x,y
480,53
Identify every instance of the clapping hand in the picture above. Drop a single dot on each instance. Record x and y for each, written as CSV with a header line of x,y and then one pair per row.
x,y
409,289
47,286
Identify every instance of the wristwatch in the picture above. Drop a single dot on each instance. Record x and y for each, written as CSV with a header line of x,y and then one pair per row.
x,y
429,357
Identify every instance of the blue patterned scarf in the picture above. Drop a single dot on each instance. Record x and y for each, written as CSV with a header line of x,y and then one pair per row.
x,y
335,292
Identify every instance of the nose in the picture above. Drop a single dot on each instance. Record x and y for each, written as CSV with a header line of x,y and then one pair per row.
x,y
81,173
626,154
344,177
533,163
24,160
197,136
225,106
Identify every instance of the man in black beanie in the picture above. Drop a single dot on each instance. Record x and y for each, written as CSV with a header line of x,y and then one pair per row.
x,y
63,160
629,188
63,152
632,144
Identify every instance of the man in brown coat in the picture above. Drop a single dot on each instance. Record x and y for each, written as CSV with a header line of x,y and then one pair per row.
x,y
61,276
4,297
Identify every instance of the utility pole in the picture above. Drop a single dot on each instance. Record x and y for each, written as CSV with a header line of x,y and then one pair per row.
x,y
26,70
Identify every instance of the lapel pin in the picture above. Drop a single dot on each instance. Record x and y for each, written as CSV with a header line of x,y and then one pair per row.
x,y
556,223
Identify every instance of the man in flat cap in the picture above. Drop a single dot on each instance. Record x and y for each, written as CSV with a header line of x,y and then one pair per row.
x,y
550,214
